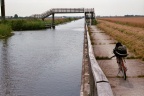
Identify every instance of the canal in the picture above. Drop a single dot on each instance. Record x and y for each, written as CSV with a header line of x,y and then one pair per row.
x,y
43,62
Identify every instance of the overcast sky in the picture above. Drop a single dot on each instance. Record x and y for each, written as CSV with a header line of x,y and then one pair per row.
x,y
102,7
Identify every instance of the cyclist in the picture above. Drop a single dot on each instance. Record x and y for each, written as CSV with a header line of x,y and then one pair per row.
x,y
120,52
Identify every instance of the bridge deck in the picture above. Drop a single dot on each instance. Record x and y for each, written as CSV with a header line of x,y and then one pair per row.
x,y
63,10
72,10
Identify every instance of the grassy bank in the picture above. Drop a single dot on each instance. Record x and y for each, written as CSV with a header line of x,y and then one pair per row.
x,y
33,24
5,31
7,26
132,37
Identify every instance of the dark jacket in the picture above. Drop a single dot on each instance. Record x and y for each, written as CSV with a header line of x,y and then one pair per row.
x,y
120,50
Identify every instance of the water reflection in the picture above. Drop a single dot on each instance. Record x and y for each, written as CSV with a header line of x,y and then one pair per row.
x,y
5,70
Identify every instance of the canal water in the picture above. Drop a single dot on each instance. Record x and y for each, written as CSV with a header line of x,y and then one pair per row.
x,y
42,63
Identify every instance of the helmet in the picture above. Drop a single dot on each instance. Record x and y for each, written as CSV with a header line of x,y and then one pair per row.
x,y
118,44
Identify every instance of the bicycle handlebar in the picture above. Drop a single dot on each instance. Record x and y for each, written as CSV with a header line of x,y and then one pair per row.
x,y
112,57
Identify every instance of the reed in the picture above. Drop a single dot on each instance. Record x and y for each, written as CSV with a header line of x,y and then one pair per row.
x,y
29,24
33,24
5,31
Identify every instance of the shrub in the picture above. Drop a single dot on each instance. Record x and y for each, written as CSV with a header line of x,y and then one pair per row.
x,y
5,30
27,24
94,22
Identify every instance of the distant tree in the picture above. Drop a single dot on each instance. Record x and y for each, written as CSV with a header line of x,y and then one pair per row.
x,y
15,16
128,15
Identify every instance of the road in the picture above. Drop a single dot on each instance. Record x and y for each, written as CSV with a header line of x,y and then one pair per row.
x,y
103,46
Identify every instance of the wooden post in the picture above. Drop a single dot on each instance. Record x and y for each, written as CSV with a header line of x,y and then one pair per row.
x,y
3,9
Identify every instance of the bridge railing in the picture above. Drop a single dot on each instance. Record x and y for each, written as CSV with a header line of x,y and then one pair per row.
x,y
102,85
36,16
68,10
89,10
63,10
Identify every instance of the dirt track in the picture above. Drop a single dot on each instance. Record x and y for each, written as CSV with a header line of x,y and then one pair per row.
x,y
103,47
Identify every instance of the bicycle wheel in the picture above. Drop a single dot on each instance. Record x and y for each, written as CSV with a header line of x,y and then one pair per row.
x,y
124,73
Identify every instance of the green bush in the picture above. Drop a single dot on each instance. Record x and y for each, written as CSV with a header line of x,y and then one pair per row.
x,y
17,24
27,24
5,30
94,22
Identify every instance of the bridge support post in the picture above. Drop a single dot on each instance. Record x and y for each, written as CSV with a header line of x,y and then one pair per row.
x,y
53,22
92,17
88,17
85,15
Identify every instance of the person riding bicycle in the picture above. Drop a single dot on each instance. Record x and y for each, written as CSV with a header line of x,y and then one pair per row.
x,y
120,51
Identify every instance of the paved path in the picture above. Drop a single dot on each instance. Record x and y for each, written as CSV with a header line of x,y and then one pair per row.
x,y
103,47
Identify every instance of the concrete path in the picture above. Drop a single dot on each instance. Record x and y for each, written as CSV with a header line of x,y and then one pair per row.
x,y
103,48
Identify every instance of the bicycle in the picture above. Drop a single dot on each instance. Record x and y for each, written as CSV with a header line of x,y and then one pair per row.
x,y
122,68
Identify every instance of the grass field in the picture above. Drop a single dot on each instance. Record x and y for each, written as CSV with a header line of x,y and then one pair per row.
x,y
131,21
129,31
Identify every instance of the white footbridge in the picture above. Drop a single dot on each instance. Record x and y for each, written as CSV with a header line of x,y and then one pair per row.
x,y
63,10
